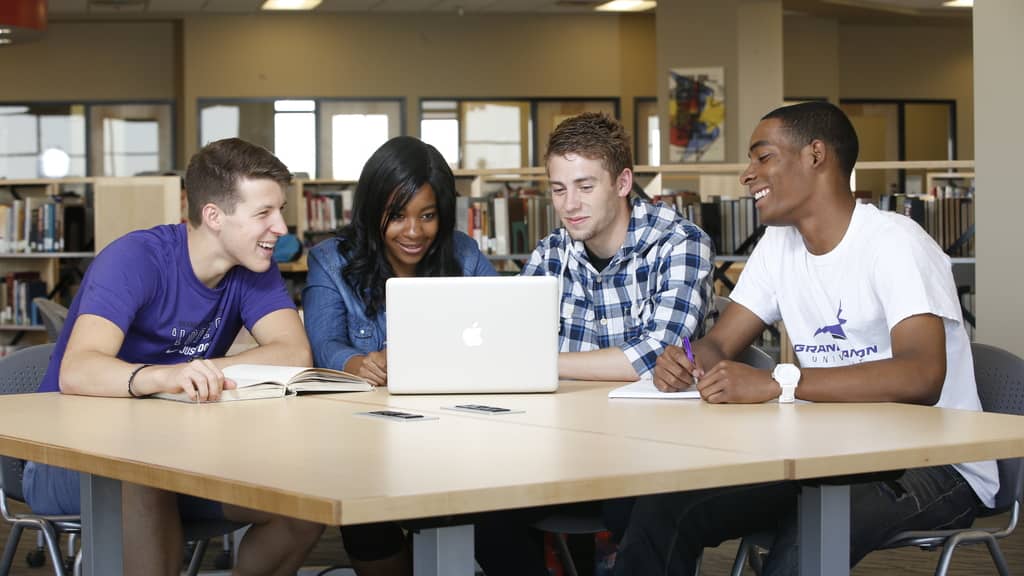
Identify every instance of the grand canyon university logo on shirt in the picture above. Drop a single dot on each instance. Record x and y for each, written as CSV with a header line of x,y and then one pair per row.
x,y
834,352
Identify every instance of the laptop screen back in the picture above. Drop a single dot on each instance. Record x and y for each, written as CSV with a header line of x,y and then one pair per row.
x,y
472,335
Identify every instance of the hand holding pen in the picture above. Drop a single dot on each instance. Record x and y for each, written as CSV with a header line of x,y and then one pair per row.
x,y
677,368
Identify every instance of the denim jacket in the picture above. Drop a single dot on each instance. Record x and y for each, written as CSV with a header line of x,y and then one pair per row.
x,y
335,316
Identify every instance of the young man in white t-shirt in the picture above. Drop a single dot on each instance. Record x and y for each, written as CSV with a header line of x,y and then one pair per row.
x,y
869,302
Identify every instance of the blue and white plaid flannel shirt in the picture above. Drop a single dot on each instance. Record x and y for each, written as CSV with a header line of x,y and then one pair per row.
x,y
655,290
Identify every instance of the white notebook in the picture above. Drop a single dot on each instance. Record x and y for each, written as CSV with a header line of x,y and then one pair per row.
x,y
645,389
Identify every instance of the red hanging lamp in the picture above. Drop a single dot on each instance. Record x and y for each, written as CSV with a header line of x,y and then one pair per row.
x,y
21,20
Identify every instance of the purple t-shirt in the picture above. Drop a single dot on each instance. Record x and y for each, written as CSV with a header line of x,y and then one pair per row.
x,y
143,282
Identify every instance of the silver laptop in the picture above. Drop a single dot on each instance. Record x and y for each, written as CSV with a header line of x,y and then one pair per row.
x,y
472,335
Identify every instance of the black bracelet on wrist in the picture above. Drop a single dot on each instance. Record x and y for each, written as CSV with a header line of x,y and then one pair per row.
x,y
131,379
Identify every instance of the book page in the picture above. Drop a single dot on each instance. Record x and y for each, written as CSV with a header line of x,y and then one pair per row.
x,y
251,374
325,375
326,386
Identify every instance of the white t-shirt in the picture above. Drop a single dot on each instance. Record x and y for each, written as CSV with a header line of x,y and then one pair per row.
x,y
840,307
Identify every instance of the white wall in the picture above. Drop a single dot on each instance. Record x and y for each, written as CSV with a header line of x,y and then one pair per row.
x,y
999,207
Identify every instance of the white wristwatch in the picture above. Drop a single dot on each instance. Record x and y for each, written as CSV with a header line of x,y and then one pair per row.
x,y
788,377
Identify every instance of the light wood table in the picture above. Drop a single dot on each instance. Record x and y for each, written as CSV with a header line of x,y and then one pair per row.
x,y
315,459
814,440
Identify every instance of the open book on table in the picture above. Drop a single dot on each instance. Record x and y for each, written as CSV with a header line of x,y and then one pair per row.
x,y
645,389
259,381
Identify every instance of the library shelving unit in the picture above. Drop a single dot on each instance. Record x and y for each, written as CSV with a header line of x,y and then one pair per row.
x,y
687,187
956,180
316,209
48,225
706,182
735,227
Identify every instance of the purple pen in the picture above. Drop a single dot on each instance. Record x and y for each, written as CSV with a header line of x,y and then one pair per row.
x,y
689,356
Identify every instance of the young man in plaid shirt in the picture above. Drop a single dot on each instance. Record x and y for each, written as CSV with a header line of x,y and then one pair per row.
x,y
635,277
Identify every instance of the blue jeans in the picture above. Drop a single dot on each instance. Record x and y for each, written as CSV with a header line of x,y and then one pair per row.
x,y
667,532
50,490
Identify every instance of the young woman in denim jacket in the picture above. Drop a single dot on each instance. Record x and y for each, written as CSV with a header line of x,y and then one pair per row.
x,y
403,224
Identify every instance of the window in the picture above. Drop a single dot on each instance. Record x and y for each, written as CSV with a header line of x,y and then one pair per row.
x,y
494,134
50,140
131,138
323,138
219,122
29,130
901,130
295,135
439,126
647,137
550,113
352,130
505,133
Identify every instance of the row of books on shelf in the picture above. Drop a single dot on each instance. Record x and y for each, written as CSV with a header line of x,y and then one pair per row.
x,y
17,292
730,222
947,219
954,188
504,225
42,224
328,210
515,223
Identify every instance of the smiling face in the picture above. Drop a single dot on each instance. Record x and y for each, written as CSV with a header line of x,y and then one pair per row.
x,y
410,232
590,201
778,175
248,234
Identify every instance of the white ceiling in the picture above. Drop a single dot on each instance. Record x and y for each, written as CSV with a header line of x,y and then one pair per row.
x,y
60,8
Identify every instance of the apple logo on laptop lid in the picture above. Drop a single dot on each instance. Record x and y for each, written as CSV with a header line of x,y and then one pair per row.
x,y
473,336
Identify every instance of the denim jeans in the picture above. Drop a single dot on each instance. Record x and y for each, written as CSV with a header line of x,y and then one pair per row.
x,y
667,532
55,491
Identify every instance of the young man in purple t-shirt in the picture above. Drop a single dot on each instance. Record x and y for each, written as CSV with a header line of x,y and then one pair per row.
x,y
156,312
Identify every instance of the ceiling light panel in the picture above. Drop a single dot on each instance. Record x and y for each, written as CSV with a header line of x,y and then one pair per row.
x,y
626,6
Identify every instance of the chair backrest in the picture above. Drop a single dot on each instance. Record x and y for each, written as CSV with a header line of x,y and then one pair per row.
x,y
1000,379
754,356
20,373
720,302
53,315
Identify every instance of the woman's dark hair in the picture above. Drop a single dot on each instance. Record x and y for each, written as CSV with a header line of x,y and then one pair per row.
x,y
389,179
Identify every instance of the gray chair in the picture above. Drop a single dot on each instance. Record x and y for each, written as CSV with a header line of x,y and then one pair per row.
x,y
719,303
21,373
578,524
1000,379
754,356
53,315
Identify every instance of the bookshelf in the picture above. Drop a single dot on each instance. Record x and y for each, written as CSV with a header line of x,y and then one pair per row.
x,y
53,227
682,186
318,208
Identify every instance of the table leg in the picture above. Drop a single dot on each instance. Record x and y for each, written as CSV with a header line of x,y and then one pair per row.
x,y
824,525
101,526
446,551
